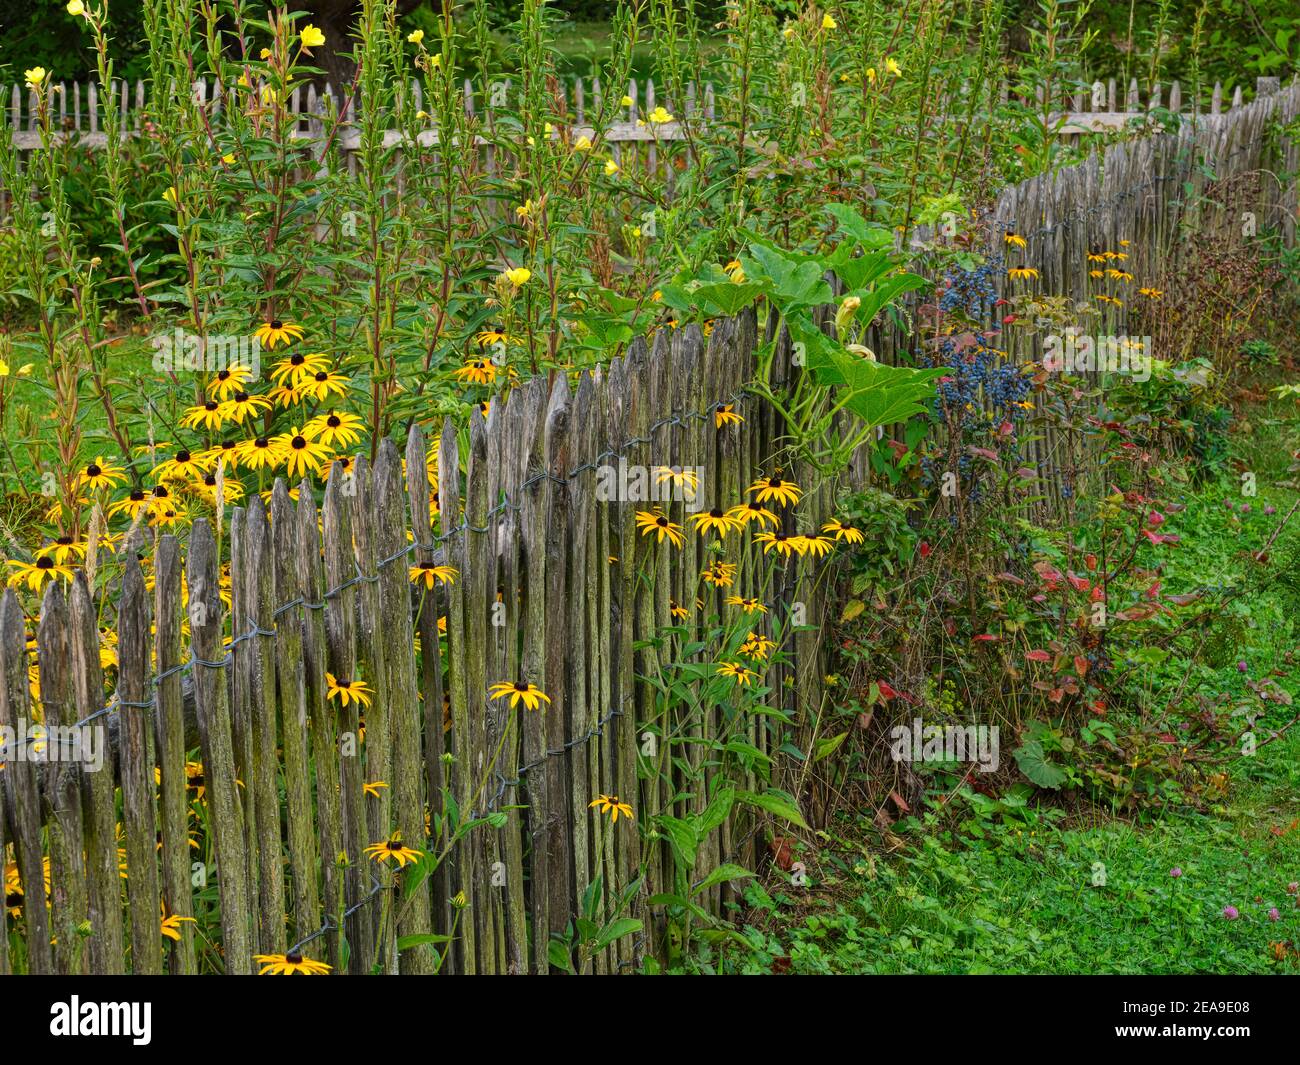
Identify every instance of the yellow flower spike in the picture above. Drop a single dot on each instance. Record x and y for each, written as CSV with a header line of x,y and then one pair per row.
x,y
35,77
415,36
582,144
519,275
311,37
892,67
611,168
829,23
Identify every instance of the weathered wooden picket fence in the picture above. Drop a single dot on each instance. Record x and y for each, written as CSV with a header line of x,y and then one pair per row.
x,y
556,587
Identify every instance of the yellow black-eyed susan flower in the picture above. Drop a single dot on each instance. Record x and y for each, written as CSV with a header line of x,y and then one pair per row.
x,y
130,506
427,573
744,513
63,549
323,384
1014,240
290,964
651,521
301,454
680,478
738,672
276,332
749,606
292,370
1022,273
373,788
1151,293
819,546
610,804
243,405
335,429
677,610
783,544
476,372
35,575
840,531
208,416
392,850
719,574
716,521
260,453
170,924
347,691
519,691
225,383
725,414
784,492
757,646
101,474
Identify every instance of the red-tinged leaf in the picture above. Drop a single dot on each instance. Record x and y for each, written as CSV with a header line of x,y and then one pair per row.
x,y
1005,429
1042,686
1183,600
1038,656
886,692
1097,594
1056,694
1010,578
1025,473
1081,665
1155,519
984,453
1048,572
925,549
898,801
1154,590
1039,598
1091,562
985,637
1155,538
1079,584
1168,737
950,626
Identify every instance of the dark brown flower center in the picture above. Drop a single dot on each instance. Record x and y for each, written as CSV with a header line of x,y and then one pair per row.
x,y
45,562
261,441
298,443
182,455
223,375
161,492
241,397
297,359
322,376
276,323
333,421
93,471
520,687
211,405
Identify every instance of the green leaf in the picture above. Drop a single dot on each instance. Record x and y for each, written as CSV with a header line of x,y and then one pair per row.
x,y
828,745
617,930
557,953
1032,760
725,872
774,802
407,942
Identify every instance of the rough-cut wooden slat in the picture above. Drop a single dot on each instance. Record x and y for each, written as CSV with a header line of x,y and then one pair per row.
x,y
290,683
106,945
139,817
68,892
169,740
225,813
396,645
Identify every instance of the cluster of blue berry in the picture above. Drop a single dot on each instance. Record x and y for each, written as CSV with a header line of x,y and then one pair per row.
x,y
973,292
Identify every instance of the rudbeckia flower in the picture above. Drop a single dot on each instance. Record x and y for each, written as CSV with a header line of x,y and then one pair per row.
x,y
226,382
841,531
715,520
101,474
63,548
784,492
242,404
1022,273
779,542
649,521
36,574
392,849
170,925
276,332
259,453
208,416
609,804
476,372
347,691
749,606
295,369
129,506
744,513
677,610
184,464
680,478
725,414
820,546
739,673
1014,240
290,964
1151,293
429,572
531,695
323,384
757,646
333,429
719,574
301,453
